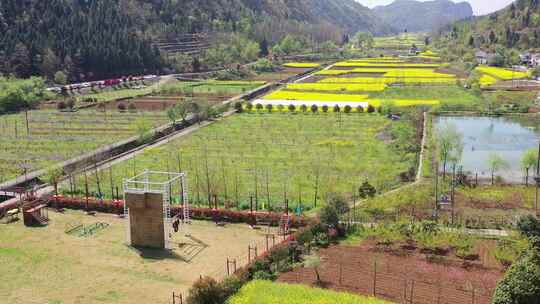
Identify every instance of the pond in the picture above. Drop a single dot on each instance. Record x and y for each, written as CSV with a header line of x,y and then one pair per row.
x,y
509,137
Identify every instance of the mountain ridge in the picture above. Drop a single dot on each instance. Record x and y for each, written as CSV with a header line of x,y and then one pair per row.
x,y
417,16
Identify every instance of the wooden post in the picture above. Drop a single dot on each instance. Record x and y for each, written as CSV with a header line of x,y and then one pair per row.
x,y
405,291
473,296
340,272
439,293
86,189
453,193
27,126
374,278
71,185
436,194
412,291
228,272
537,180
111,180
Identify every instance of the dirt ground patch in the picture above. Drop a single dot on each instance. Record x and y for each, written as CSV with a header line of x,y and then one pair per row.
x,y
400,278
46,265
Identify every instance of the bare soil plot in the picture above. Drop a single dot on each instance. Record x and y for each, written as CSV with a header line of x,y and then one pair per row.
x,y
46,265
400,276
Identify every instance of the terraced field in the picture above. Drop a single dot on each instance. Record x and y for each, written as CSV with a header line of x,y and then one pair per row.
x,y
364,82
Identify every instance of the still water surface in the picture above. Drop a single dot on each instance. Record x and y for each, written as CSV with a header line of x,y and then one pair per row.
x,y
508,137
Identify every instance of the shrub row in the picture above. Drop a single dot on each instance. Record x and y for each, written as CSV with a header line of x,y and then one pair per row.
x,y
218,215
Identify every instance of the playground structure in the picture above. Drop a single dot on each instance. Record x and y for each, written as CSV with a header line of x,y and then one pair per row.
x,y
34,209
80,230
147,208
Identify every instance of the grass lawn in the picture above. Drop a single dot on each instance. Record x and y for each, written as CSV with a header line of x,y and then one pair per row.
x,y
276,156
266,292
46,265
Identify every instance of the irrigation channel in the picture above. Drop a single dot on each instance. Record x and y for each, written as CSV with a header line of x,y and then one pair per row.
x,y
106,157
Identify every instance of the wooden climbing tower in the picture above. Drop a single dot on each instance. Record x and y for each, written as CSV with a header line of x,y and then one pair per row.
x,y
147,208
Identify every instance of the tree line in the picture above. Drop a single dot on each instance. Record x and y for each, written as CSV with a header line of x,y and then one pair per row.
x,y
92,39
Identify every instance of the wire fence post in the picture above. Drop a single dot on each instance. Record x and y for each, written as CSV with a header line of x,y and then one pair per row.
x,y
374,278
177,296
340,273
412,291
405,291
439,293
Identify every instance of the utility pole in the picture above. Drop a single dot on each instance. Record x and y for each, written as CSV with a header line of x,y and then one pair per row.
x,y
436,210
453,190
537,180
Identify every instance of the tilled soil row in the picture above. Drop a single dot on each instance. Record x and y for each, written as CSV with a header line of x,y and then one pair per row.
x,y
399,279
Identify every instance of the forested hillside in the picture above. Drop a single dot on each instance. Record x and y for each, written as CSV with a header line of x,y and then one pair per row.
x,y
505,32
92,39
416,16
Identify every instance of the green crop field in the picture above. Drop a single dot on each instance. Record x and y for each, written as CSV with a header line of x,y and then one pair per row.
x,y
276,156
53,136
210,87
266,292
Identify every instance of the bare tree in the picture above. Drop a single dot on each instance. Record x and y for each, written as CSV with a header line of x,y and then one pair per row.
x,y
449,144
314,262
528,161
496,163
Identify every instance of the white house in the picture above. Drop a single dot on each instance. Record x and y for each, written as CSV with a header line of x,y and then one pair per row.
x,y
481,57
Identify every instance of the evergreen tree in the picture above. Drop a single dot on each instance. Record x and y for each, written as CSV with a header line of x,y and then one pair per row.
x,y
263,45
492,37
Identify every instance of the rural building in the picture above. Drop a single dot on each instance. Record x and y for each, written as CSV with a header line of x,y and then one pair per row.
x,y
481,57
530,59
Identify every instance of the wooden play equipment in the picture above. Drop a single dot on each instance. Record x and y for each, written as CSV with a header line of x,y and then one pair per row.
x,y
147,208
9,216
35,213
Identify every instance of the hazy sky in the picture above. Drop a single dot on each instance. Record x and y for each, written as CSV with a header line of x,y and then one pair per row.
x,y
480,7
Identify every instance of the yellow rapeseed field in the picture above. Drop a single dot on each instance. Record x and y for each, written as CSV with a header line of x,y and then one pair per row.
x,y
301,65
351,87
293,95
502,73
